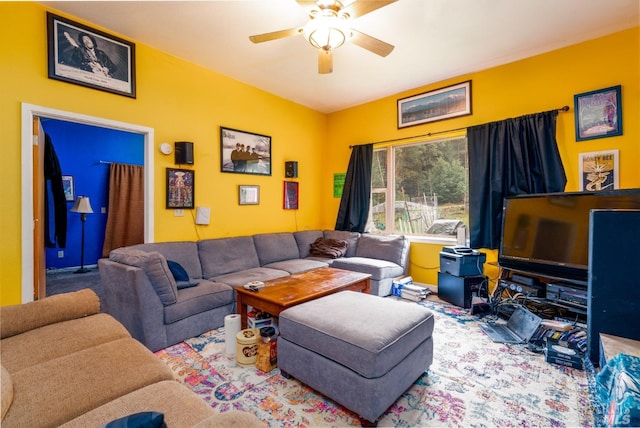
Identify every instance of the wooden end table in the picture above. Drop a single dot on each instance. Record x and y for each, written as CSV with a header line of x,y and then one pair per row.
x,y
282,293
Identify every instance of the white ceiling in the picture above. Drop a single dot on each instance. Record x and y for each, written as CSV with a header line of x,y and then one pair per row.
x,y
434,40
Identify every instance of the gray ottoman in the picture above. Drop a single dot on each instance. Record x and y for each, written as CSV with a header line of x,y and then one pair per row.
x,y
360,350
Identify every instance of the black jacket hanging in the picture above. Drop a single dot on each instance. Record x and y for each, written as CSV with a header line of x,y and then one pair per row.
x,y
53,174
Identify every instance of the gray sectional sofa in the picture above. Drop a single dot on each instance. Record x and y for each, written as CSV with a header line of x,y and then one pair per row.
x,y
166,292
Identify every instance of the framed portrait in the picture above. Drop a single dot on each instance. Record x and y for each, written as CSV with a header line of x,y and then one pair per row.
x,y
598,114
248,195
85,56
244,152
291,189
180,188
69,190
444,103
599,171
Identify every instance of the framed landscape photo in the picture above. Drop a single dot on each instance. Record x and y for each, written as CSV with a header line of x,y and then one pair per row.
x,y
599,171
244,152
291,192
248,195
598,114
180,188
85,56
445,103
67,186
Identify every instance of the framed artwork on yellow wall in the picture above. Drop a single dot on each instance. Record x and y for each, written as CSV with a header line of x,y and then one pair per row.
x,y
85,56
598,113
244,152
180,188
599,171
444,103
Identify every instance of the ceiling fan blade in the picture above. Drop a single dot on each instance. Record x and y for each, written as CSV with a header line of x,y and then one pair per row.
x,y
371,44
259,38
325,61
362,7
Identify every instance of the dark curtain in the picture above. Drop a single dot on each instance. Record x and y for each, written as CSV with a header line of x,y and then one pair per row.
x,y
54,219
506,158
354,205
125,222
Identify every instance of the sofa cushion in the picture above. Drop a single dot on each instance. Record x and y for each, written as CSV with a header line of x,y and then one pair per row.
x,y
183,252
326,247
341,235
304,239
82,381
6,391
60,339
226,255
155,266
297,265
378,269
242,277
275,247
390,248
206,295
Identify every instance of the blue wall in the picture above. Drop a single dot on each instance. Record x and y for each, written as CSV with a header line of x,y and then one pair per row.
x,y
80,148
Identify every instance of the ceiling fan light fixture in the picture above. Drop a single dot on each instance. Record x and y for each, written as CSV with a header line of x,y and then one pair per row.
x,y
327,32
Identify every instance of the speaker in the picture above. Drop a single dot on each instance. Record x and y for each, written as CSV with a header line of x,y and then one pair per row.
x,y
291,169
184,152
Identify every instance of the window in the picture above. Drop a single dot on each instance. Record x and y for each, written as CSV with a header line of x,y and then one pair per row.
x,y
421,189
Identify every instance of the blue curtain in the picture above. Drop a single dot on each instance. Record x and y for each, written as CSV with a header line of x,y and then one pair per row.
x,y
506,158
356,195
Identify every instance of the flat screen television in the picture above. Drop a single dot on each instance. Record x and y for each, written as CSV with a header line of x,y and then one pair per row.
x,y
548,234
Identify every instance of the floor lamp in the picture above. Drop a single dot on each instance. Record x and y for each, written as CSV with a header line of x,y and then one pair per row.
x,y
82,206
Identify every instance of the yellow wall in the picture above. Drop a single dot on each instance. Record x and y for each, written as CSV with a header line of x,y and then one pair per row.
x,y
536,84
181,101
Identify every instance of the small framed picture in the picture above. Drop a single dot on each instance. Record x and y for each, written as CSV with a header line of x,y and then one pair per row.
x,y
180,188
598,113
291,195
599,171
67,186
244,152
85,56
440,104
248,195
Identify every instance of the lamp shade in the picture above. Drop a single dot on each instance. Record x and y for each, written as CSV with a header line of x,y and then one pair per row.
x,y
82,205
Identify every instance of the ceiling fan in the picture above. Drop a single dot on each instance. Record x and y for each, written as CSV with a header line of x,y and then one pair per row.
x,y
330,27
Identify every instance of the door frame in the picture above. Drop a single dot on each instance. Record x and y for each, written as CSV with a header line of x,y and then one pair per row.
x,y
31,111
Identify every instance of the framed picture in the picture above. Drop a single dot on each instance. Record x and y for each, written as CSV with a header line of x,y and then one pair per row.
x,y
445,103
244,152
88,57
291,195
598,113
180,188
248,195
598,171
69,190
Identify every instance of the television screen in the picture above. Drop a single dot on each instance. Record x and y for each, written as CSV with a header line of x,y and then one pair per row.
x,y
548,234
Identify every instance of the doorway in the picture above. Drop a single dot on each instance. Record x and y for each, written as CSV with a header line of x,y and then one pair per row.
x,y
30,271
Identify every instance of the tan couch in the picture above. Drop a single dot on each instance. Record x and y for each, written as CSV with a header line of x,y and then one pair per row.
x,y
66,364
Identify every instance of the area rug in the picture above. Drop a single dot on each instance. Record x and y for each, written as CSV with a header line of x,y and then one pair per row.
x,y
472,382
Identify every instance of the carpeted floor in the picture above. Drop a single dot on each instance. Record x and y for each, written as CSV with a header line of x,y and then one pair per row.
x,y
473,382
65,281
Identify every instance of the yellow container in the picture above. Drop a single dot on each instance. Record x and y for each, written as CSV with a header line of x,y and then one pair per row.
x,y
247,346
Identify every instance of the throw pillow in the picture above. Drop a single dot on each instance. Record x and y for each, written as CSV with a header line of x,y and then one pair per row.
x,y
139,420
186,284
179,273
331,248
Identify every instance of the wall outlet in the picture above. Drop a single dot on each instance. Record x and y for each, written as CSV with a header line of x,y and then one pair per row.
x,y
178,213
103,210
60,254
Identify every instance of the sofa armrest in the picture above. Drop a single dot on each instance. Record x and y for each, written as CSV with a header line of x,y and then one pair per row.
x,y
18,319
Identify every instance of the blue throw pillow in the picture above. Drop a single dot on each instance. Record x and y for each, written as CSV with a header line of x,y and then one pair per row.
x,y
139,420
186,284
179,274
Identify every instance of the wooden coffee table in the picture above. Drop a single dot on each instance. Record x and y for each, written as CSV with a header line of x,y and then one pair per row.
x,y
282,293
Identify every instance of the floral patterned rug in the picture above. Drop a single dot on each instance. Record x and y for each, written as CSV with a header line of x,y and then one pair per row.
x,y
472,382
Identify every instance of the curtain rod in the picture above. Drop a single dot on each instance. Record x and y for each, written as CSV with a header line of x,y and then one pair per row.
x,y
429,134
120,163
